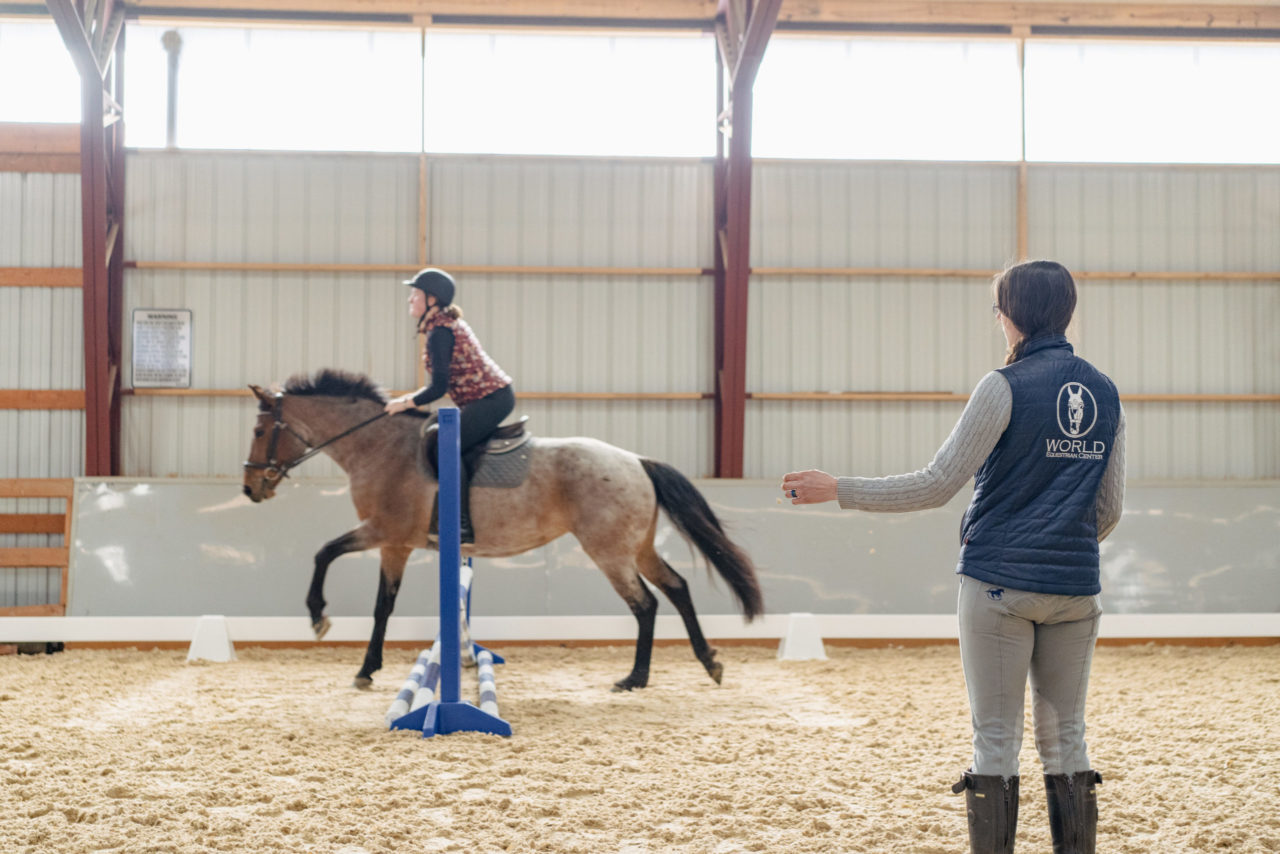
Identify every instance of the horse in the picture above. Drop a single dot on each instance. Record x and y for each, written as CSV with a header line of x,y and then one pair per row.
x,y
605,496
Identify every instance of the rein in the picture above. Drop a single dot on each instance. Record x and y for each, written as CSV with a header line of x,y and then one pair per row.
x,y
274,465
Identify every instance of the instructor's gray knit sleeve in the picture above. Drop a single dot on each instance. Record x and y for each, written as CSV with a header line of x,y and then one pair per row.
x,y
971,441
1111,491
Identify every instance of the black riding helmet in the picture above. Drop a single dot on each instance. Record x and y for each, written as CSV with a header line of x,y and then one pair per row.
x,y
436,282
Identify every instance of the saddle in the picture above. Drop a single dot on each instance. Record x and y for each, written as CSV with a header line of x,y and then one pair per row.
x,y
504,440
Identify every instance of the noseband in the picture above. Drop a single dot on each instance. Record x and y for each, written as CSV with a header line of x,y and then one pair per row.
x,y
275,470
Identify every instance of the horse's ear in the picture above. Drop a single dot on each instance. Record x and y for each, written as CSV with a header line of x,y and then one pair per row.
x,y
259,393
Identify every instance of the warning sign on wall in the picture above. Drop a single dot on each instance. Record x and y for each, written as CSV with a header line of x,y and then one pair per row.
x,y
161,348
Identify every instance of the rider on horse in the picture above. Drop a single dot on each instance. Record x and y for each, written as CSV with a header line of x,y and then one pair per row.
x,y
456,365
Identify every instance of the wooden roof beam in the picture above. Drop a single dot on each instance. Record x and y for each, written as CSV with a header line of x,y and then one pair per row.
x,y
795,13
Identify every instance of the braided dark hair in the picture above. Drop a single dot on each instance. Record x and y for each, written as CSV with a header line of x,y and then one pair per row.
x,y
1038,297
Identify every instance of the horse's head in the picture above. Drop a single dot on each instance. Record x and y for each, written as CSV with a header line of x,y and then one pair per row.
x,y
274,444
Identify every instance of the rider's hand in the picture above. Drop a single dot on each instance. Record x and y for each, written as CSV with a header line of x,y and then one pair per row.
x,y
809,487
399,404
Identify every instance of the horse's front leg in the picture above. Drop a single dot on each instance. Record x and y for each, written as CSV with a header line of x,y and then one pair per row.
x,y
393,560
356,540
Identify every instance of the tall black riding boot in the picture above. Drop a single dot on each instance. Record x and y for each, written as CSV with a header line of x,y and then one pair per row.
x,y
992,805
464,504
1073,811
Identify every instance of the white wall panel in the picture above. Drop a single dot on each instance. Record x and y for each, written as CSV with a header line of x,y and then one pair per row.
x,y
42,328
41,216
41,335
296,208
851,214
263,327
897,333
624,334
1175,337
256,328
561,211
613,334
551,333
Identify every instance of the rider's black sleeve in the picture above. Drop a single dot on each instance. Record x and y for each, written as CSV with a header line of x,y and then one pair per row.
x,y
440,349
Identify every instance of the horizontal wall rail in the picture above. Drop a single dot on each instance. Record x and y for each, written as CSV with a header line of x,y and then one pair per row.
x,y
898,396
927,273
32,523
38,523
49,148
907,396
26,398
41,277
489,269
829,272
526,395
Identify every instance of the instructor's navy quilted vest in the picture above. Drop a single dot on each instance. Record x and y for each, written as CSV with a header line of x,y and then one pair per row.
x,y
1032,524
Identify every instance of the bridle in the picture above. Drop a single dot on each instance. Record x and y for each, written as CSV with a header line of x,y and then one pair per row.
x,y
275,470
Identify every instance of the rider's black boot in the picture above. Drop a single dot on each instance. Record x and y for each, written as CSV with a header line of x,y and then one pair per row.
x,y
992,807
464,504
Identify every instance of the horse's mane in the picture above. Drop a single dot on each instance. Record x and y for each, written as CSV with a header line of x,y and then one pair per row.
x,y
331,382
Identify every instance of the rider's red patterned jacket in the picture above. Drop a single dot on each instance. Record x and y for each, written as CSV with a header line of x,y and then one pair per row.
x,y
472,374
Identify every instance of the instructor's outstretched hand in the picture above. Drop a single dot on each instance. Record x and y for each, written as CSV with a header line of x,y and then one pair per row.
x,y
809,487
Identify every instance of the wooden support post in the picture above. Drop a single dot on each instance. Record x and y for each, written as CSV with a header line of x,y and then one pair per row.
x,y
742,33
93,34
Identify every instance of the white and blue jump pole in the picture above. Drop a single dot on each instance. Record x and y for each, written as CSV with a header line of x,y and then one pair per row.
x,y
450,713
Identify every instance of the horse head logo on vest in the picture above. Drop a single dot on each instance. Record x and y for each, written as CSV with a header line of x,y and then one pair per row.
x,y
1075,408
1077,404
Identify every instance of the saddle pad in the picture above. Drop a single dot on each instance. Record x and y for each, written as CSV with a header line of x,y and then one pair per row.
x,y
506,469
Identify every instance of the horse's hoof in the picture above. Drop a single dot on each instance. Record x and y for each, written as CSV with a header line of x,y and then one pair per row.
x,y
364,683
321,628
630,683
716,669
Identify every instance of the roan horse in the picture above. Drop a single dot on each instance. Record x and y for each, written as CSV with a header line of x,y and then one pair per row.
x,y
607,497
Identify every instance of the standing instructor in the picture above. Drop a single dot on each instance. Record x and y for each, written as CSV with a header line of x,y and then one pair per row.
x,y
1045,436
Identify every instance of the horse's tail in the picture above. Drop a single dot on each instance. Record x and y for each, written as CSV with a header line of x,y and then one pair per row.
x,y
694,518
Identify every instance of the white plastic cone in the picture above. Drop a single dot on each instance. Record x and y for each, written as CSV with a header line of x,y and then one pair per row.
x,y
803,641
211,641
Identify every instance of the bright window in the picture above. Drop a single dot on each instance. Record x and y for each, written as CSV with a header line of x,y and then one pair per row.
x,y
1148,102
887,98
40,82
146,81
583,94
268,88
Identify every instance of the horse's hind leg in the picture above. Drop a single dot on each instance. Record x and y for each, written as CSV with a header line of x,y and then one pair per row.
x,y
621,573
393,561
645,607
676,589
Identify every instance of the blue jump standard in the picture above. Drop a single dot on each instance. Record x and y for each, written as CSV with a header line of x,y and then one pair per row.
x,y
450,714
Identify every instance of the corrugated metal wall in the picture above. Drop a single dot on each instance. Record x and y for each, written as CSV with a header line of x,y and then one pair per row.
x,y
653,334
590,333
619,334
41,334
869,334
562,333
262,327
1171,337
